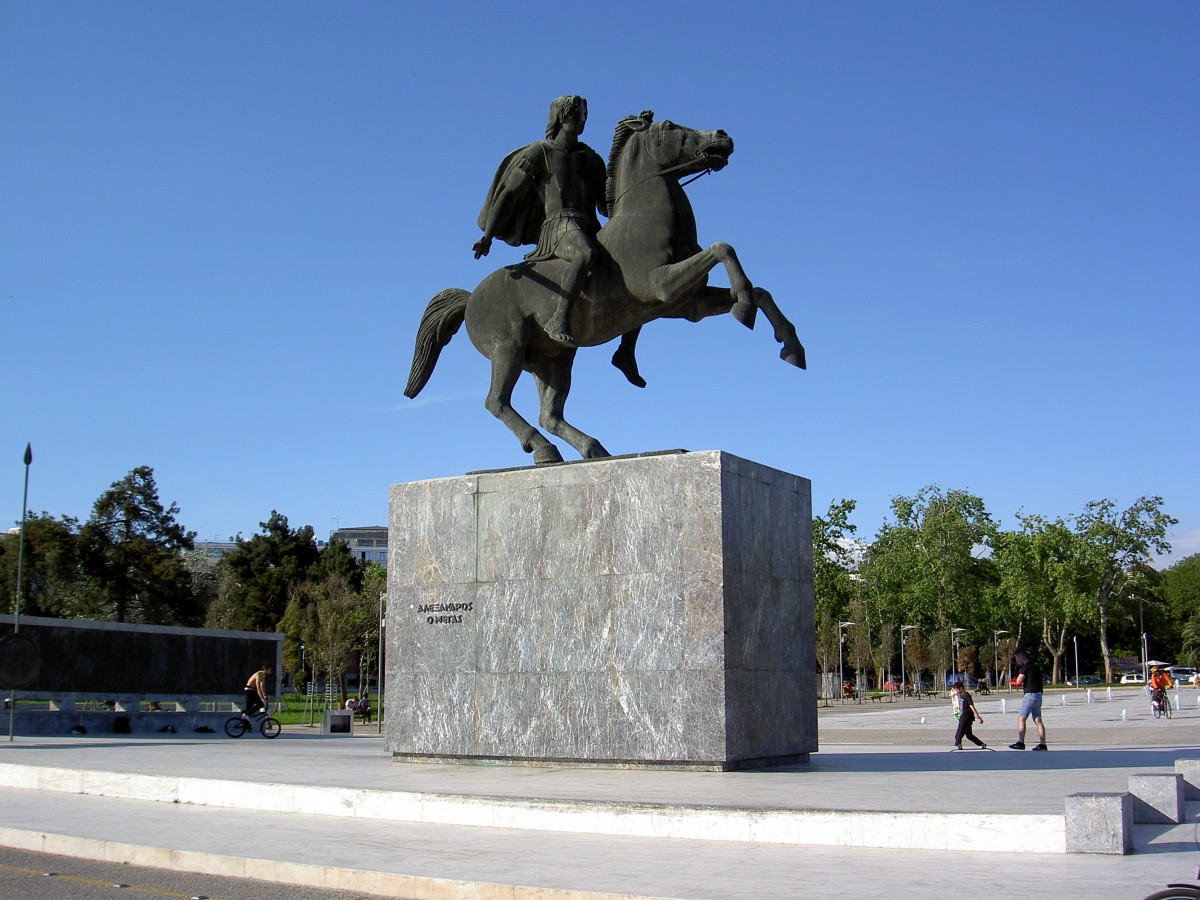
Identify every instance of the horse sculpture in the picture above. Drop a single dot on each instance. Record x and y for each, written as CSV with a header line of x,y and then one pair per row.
x,y
655,269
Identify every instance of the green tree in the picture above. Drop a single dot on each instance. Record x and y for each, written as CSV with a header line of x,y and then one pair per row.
x,y
50,568
131,553
1114,544
259,573
927,566
366,619
1180,588
833,567
1042,572
336,558
327,611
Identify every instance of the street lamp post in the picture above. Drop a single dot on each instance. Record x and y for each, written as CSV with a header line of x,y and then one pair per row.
x,y
12,703
841,675
379,663
903,640
1076,639
996,642
954,633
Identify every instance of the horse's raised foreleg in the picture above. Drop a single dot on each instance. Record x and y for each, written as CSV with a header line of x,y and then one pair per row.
x,y
554,383
506,369
673,281
714,301
785,331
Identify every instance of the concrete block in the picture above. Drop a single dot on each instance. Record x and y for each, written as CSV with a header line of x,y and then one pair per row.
x,y
1190,770
1100,823
338,721
1157,798
638,611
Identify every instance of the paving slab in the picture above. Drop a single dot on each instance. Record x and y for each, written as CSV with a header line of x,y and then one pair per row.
x,y
885,761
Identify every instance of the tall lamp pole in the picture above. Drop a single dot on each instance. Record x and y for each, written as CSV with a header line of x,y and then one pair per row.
x,y
904,629
12,703
379,663
1076,640
841,677
954,633
996,642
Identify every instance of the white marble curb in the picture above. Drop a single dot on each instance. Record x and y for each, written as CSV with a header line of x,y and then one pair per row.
x,y
890,830
360,881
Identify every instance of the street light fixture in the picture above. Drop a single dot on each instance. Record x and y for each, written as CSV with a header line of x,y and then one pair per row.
x,y
841,675
954,633
996,641
903,641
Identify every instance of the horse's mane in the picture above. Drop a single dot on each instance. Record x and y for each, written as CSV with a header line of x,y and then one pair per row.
x,y
625,129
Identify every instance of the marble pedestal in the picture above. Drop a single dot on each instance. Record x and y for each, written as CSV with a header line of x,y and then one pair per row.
x,y
638,611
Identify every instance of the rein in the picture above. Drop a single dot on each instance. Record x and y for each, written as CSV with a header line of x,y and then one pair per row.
x,y
668,171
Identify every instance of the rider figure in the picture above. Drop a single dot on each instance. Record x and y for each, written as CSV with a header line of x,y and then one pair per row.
x,y
256,690
548,193
1160,682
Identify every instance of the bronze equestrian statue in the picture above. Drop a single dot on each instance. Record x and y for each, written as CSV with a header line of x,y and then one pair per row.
x,y
648,266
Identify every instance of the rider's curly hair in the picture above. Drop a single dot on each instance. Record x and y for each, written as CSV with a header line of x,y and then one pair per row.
x,y
560,108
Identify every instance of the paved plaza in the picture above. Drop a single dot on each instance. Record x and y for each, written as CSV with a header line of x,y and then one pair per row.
x,y
336,811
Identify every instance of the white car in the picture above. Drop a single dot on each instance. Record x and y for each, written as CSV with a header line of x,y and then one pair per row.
x,y
1133,678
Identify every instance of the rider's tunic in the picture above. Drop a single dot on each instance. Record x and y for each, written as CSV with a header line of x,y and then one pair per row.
x,y
572,191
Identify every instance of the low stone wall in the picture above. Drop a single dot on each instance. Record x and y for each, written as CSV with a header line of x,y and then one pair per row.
x,y
47,722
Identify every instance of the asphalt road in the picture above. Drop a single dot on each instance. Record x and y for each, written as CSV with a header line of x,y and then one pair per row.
x,y
24,875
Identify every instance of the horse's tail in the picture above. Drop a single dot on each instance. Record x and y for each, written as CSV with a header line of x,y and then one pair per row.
x,y
441,321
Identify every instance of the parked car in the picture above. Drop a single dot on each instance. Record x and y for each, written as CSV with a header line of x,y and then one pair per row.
x,y
1181,674
1085,681
1133,678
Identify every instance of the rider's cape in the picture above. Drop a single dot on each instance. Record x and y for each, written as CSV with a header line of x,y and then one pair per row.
x,y
522,220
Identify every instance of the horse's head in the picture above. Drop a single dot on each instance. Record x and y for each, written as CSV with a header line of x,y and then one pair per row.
x,y
663,148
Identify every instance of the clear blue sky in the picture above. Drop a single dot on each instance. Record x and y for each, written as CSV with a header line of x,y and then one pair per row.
x,y
222,221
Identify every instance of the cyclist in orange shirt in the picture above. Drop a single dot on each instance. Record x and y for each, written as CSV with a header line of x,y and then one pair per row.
x,y
1160,682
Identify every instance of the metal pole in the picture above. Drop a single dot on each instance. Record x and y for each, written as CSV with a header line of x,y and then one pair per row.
x,y
841,685
379,665
954,633
904,630
12,703
996,642
1076,639
841,676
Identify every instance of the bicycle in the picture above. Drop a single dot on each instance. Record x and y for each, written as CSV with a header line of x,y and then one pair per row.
x,y
1161,705
1178,891
238,725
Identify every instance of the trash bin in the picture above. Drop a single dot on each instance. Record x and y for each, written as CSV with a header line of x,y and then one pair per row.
x,y
338,721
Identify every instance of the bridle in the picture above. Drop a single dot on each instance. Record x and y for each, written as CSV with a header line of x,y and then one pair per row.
x,y
667,171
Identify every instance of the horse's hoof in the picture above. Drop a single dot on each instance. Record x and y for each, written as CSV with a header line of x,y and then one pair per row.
x,y
546,455
794,357
745,311
596,451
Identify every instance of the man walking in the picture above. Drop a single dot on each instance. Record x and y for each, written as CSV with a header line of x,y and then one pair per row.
x,y
1030,680
967,715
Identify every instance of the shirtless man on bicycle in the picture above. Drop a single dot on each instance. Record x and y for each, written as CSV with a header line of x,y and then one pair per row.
x,y
256,690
